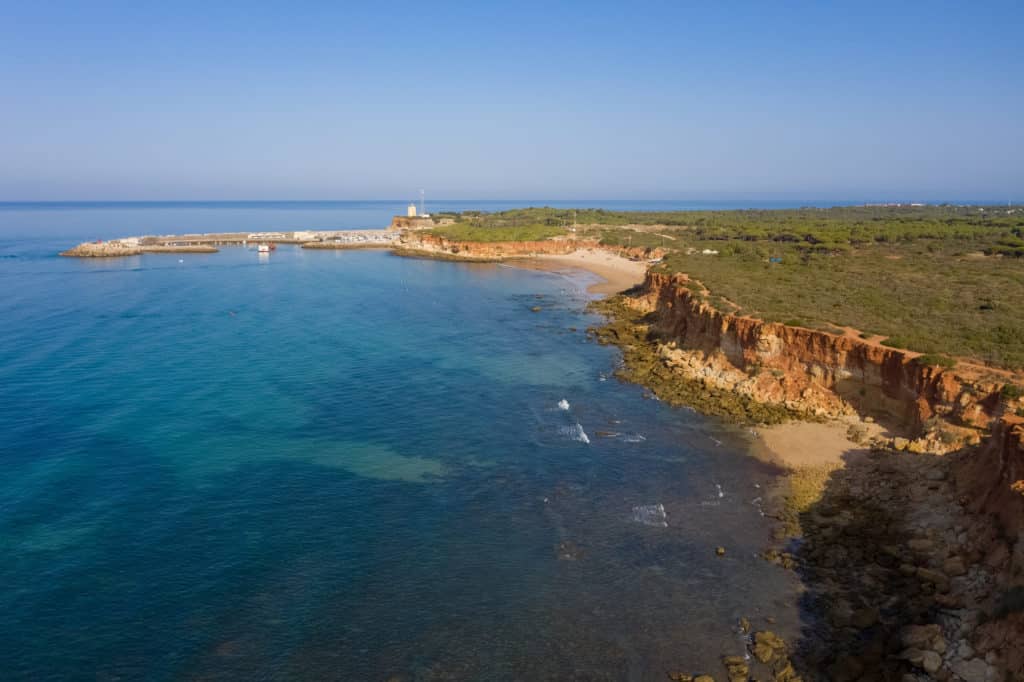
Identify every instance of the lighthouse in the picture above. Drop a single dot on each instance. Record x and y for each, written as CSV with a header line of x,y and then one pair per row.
x,y
411,211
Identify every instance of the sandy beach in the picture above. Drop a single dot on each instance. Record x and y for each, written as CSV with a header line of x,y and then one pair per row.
x,y
800,444
617,272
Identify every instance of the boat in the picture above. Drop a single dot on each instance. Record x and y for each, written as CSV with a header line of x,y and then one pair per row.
x,y
263,248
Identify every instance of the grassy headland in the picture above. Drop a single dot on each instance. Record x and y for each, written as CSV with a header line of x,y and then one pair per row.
x,y
891,546
942,280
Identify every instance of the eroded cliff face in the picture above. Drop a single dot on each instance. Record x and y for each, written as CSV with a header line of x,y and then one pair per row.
x,y
818,372
993,478
432,244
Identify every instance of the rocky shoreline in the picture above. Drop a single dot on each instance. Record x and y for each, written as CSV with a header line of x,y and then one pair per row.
x,y
909,547
114,249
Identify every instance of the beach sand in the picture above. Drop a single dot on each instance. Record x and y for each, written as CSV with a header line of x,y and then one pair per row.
x,y
617,272
800,445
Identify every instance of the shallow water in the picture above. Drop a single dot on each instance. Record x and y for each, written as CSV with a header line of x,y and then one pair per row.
x,y
349,465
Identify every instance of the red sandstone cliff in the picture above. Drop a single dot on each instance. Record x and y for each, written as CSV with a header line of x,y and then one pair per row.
x,y
431,243
992,478
830,374
817,371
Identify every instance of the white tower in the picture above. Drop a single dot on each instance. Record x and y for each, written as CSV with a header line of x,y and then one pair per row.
x,y
411,211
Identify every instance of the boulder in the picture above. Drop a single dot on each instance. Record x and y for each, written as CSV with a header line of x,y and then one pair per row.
x,y
913,656
923,637
937,578
954,566
920,544
974,670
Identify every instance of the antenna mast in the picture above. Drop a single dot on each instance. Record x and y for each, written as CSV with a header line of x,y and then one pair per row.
x,y
421,202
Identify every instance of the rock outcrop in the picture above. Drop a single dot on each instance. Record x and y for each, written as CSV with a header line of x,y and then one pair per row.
x,y
817,372
430,244
116,249
112,249
914,562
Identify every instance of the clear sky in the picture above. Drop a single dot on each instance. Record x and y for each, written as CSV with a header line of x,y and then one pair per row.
x,y
345,100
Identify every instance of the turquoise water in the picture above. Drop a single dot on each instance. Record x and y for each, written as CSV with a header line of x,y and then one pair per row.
x,y
347,465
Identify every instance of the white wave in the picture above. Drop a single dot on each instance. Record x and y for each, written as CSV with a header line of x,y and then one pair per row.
x,y
651,515
577,433
563,404
632,438
720,493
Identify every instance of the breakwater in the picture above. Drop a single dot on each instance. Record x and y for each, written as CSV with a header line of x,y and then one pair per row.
x,y
208,242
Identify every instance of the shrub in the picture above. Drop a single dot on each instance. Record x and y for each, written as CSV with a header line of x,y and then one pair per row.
x,y
1012,391
895,342
939,360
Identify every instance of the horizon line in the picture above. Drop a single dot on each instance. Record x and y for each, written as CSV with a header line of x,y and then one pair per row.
x,y
977,201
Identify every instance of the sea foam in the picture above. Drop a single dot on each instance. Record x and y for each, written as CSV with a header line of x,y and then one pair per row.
x,y
577,433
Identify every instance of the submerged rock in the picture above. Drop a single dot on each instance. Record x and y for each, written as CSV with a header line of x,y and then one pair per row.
x,y
737,668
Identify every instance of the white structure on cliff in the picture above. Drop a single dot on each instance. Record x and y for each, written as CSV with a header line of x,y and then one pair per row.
x,y
411,211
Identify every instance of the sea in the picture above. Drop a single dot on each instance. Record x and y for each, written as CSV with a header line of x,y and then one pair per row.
x,y
349,465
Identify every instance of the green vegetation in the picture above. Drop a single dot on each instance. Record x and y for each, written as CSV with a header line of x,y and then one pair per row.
x,y
941,280
820,230
1012,392
934,297
937,360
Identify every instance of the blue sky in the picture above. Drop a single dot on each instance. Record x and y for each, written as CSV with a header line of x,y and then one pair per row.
x,y
222,100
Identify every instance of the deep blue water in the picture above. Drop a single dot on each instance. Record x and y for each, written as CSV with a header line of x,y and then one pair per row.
x,y
345,465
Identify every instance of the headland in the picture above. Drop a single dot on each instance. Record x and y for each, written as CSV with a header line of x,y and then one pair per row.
x,y
891,397
898,417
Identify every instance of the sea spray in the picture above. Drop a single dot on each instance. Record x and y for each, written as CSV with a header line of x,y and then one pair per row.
x,y
651,515
576,432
